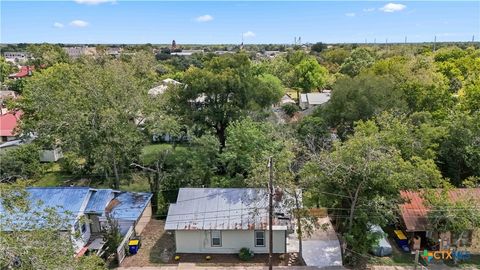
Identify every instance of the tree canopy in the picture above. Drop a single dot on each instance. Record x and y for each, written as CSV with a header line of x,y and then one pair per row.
x,y
223,91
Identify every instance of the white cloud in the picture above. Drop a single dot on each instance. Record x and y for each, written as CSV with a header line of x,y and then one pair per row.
x,y
350,14
392,7
204,18
58,25
248,34
368,9
79,23
94,2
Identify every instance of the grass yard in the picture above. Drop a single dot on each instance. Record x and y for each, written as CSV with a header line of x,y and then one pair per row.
x,y
292,93
53,177
150,152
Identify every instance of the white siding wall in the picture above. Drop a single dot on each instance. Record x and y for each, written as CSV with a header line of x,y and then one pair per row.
x,y
144,219
50,155
82,240
232,242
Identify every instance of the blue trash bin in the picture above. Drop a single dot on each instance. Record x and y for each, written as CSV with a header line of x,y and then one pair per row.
x,y
133,246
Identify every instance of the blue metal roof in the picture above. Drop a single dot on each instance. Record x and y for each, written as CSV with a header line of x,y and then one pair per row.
x,y
70,200
99,200
67,200
131,205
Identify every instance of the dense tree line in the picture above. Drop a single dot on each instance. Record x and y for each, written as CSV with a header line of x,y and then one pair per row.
x,y
400,117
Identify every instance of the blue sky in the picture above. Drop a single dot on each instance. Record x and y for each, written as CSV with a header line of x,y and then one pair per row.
x,y
117,21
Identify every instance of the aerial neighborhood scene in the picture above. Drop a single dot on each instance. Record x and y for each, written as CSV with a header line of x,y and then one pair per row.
x,y
195,135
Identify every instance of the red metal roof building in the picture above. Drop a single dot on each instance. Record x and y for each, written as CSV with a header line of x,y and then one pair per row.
x,y
23,72
8,123
414,212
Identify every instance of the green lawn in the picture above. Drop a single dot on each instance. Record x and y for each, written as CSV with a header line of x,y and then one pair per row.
x,y
55,177
292,93
150,152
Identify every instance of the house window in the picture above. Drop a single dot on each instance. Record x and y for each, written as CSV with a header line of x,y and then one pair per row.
x,y
84,227
259,238
216,238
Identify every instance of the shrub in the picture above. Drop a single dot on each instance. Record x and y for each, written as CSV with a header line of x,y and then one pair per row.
x,y
71,165
245,254
290,109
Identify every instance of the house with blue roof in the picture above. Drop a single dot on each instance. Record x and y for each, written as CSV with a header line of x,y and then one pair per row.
x,y
86,209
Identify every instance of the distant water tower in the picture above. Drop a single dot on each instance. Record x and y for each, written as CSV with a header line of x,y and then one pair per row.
x,y
174,45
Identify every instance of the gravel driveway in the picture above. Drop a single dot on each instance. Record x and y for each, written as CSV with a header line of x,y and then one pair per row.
x,y
157,246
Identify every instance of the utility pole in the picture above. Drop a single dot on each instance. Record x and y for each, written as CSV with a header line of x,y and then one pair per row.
x,y
416,259
270,214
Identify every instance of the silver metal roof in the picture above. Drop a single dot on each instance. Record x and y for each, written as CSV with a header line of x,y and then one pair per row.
x,y
221,209
315,98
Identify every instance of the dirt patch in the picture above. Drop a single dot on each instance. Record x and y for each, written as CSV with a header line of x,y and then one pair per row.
x,y
289,259
157,246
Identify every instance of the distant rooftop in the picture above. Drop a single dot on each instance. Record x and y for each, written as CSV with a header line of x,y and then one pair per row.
x,y
315,98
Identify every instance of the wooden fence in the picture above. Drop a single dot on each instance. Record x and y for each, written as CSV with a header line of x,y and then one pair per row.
x,y
318,212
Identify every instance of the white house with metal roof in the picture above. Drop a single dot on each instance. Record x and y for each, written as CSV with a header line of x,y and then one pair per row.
x,y
160,89
310,100
224,220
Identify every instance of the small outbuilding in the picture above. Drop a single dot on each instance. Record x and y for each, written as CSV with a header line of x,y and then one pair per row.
x,y
310,100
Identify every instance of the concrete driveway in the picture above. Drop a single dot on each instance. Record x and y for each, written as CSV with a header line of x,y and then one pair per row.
x,y
321,249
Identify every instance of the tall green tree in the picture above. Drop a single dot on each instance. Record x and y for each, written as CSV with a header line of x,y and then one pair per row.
x,y
360,59
47,54
309,75
459,152
87,109
360,180
5,69
423,88
223,91
20,163
459,216
360,98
